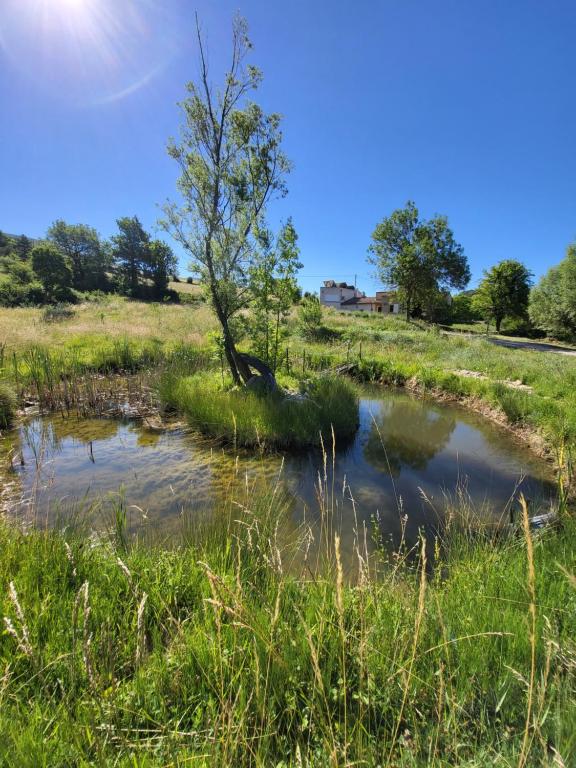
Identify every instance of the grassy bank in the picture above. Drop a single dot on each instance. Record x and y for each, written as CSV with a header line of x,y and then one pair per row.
x,y
248,418
391,351
217,653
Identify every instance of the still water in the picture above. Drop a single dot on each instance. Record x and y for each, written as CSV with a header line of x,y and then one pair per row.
x,y
412,462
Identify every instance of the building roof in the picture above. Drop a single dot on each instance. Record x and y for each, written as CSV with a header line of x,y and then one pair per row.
x,y
360,300
334,284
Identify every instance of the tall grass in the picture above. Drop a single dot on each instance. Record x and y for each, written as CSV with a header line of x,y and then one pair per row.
x,y
220,653
7,405
278,420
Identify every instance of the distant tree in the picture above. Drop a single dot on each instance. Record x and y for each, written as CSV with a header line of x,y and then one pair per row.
x,y
231,166
52,271
131,253
19,272
504,292
6,244
82,246
552,305
419,258
22,247
273,288
462,309
159,265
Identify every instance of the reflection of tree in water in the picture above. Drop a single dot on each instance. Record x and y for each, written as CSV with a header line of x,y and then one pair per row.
x,y
40,436
407,433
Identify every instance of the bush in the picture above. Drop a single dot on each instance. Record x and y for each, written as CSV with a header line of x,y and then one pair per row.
x,y
7,406
57,313
249,418
18,295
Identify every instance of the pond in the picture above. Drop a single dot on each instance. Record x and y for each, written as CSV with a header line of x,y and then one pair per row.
x,y
413,462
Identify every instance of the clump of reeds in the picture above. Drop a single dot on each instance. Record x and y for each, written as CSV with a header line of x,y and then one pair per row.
x,y
7,406
243,417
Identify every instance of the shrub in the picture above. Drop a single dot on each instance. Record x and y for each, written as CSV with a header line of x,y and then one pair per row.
x,y
18,295
310,317
279,420
57,313
7,406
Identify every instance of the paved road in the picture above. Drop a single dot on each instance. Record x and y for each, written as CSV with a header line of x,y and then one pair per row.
x,y
535,346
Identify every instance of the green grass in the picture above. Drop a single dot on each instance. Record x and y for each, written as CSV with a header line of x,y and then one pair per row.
x,y
275,420
219,653
391,351
7,406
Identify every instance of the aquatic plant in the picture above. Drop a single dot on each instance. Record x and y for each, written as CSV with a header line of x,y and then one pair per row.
x,y
243,417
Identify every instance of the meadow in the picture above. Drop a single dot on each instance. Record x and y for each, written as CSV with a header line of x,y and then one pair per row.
x,y
227,648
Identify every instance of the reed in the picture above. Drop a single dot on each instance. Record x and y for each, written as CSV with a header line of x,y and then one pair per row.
x,y
265,420
7,406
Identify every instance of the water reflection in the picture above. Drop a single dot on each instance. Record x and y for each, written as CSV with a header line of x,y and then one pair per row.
x,y
405,433
410,462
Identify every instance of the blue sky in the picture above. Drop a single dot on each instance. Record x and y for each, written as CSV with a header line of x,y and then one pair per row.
x,y
467,108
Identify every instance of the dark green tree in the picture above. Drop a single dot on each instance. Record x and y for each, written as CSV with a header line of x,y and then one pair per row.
x,y
160,264
419,258
22,247
82,246
231,165
52,271
552,305
504,292
131,253
6,245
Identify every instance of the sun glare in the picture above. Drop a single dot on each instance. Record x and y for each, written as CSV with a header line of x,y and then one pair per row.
x,y
89,51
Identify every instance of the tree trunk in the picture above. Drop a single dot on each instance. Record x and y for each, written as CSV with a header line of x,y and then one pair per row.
x,y
238,368
498,321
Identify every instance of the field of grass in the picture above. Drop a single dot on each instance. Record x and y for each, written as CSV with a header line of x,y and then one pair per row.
x,y
108,318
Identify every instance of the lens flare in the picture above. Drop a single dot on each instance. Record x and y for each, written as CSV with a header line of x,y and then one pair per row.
x,y
90,52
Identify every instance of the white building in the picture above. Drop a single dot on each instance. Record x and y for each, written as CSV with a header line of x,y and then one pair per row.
x,y
334,294
347,298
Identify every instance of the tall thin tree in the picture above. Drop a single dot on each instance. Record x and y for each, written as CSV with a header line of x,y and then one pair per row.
x,y
231,165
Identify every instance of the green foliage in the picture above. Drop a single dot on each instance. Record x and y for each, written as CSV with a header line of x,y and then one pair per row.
x,y
160,263
52,270
273,287
7,406
274,420
504,292
22,247
130,249
310,317
553,301
421,258
232,165
84,251
6,244
14,294
462,309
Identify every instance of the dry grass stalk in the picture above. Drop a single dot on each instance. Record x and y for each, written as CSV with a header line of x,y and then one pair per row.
x,y
526,741
22,638
140,637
